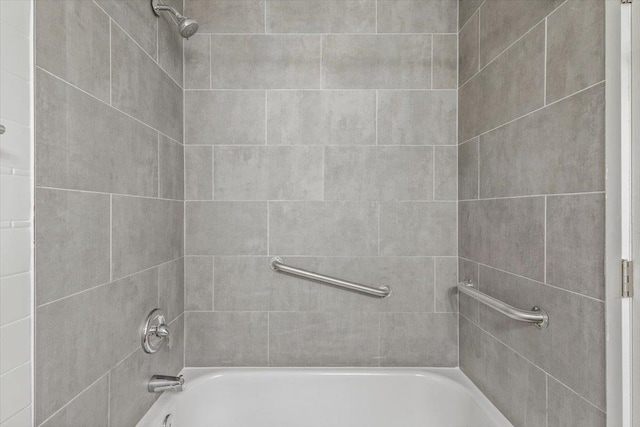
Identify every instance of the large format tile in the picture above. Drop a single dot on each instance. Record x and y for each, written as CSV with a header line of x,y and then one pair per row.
x,y
141,88
89,408
171,169
504,21
509,87
197,62
445,61
515,386
71,354
575,47
468,170
559,149
198,282
576,242
248,284
171,288
446,289
376,61
570,336
445,185
469,49
323,339
378,173
282,62
73,240
321,117
417,117
87,145
170,44
145,233
72,42
267,173
321,16
224,117
226,228
198,173
506,234
419,339
411,16
568,408
466,8
226,339
418,228
137,19
227,16
323,228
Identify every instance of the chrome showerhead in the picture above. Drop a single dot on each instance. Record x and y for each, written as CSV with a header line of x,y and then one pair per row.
x,y
186,26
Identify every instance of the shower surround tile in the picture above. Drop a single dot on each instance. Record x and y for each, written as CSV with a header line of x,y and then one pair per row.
x,y
469,49
227,16
321,16
197,63
411,16
134,19
198,278
171,169
198,173
445,61
567,408
90,408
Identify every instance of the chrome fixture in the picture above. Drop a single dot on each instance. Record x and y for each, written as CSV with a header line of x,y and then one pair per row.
x,y
186,26
277,264
537,315
160,383
2,129
155,331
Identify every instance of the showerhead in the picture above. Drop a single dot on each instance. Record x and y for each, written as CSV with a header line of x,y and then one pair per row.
x,y
186,26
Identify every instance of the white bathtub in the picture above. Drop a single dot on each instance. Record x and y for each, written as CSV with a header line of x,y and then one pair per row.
x,y
295,397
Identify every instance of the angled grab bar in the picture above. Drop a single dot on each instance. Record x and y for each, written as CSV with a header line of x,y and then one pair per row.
x,y
537,315
277,264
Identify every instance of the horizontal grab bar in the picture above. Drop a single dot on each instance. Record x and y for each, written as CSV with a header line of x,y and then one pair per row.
x,y
277,264
537,315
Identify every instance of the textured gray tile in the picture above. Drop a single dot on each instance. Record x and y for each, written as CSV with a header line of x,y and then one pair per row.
x,y
323,339
226,339
446,293
170,44
571,335
418,228
321,117
245,284
71,355
509,87
467,306
466,9
282,62
321,16
567,408
226,228
224,117
323,228
419,339
198,173
129,397
90,408
417,16
446,173
468,170
197,63
171,169
559,149
575,243
575,47
504,21
417,117
378,173
445,61
145,232
267,173
137,19
198,276
515,386
227,16
171,288
139,87
376,61
72,42
469,49
506,234
72,236
100,148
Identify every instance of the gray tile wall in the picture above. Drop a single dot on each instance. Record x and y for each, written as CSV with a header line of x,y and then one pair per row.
x,y
531,204
109,207
323,131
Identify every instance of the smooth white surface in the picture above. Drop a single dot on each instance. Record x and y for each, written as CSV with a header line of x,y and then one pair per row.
x,y
326,397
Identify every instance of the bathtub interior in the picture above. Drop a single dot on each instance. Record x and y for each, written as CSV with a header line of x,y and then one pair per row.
x,y
314,397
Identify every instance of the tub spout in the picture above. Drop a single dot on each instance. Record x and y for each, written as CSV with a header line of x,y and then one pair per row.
x,y
160,383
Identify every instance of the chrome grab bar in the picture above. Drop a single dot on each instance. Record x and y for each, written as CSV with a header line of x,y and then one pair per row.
x,y
537,315
277,264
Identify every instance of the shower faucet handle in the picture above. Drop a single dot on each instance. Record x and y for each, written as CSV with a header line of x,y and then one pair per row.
x,y
155,332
